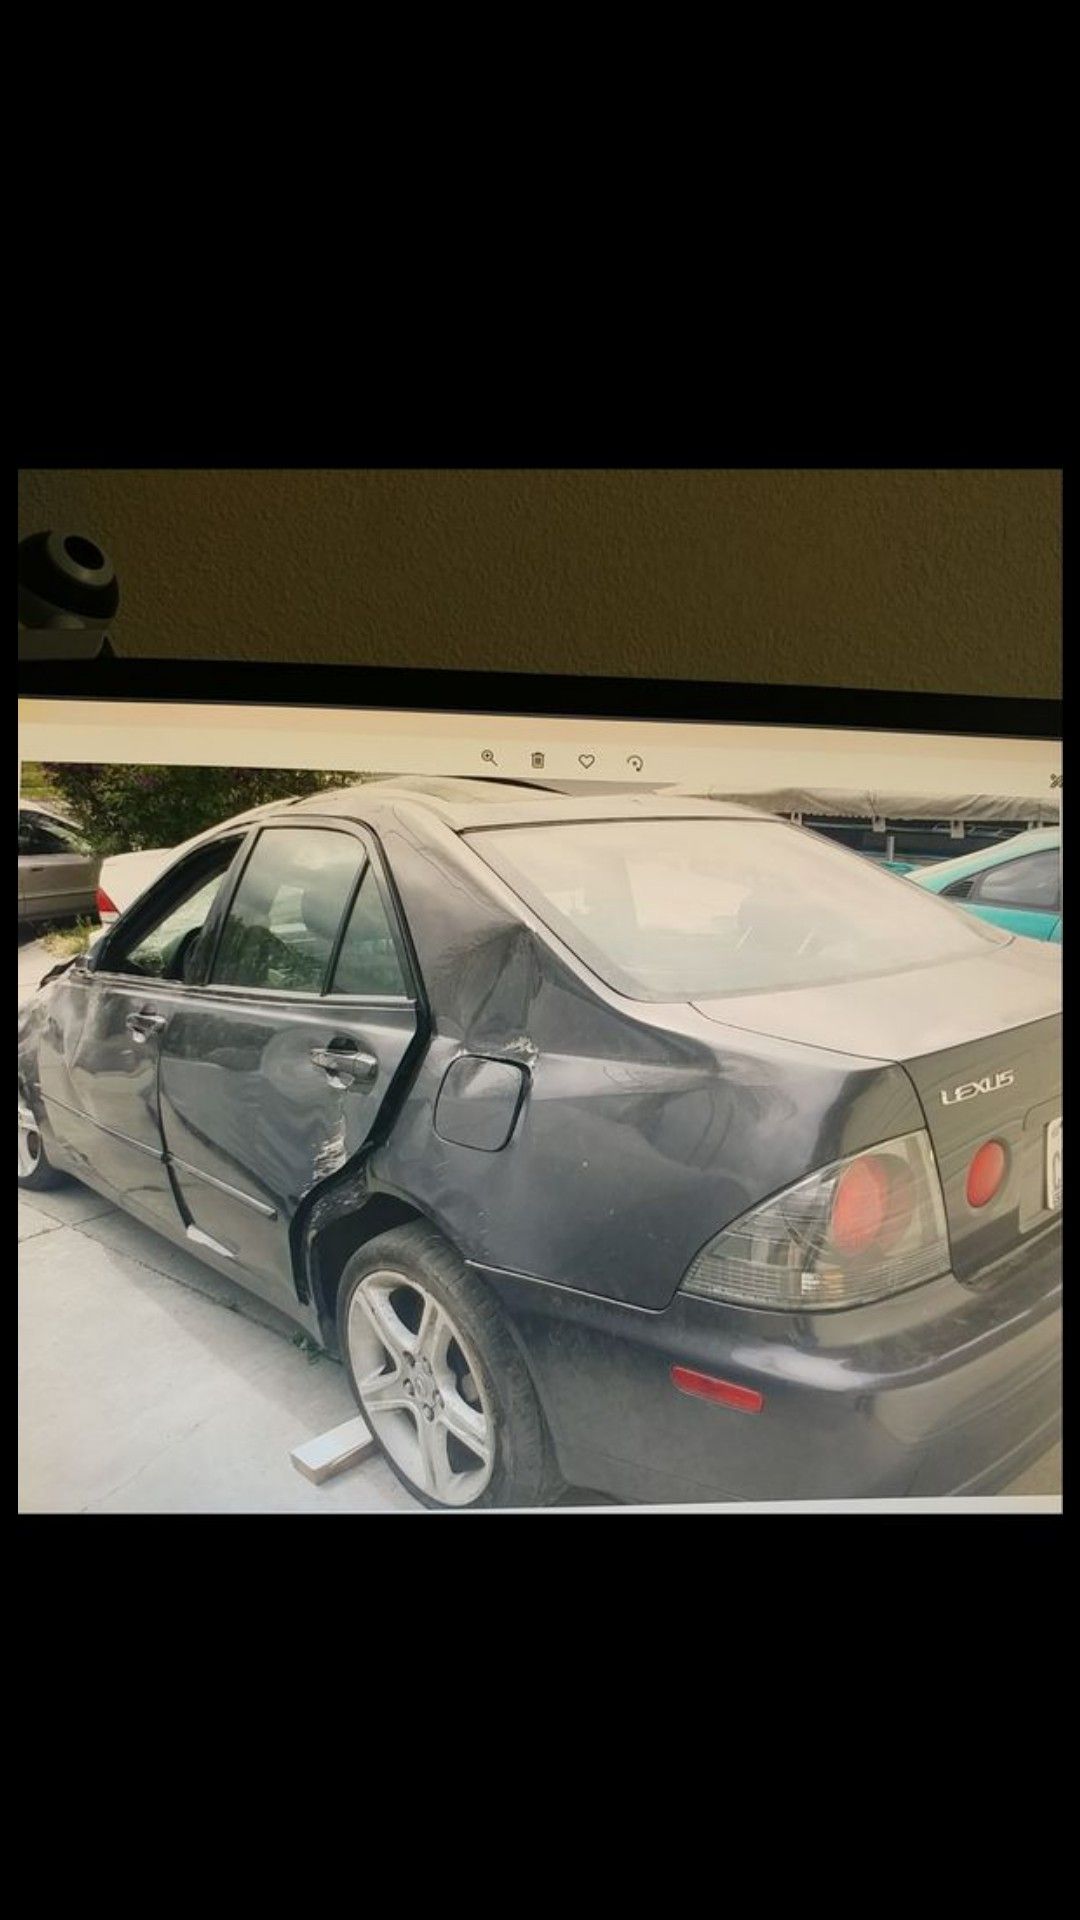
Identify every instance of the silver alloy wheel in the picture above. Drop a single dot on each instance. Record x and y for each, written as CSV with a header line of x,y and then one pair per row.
x,y
29,1140
419,1388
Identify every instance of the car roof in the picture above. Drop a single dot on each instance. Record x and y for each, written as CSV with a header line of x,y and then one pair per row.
x,y
46,807
462,803
1039,840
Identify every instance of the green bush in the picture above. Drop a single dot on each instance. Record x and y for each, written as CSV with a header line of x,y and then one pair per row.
x,y
123,809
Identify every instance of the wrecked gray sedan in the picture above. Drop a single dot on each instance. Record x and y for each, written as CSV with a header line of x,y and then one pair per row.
x,y
646,1145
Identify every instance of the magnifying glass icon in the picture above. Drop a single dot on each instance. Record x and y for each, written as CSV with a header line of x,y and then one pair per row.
x,y
489,757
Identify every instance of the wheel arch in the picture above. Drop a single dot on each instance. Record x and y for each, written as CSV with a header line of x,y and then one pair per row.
x,y
330,1239
329,1242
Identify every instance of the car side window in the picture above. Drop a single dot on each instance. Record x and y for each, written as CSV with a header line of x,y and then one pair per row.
x,y
161,946
30,838
960,890
38,835
284,918
369,961
1033,881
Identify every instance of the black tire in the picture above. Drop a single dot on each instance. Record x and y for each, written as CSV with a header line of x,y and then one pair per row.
x,y
524,1472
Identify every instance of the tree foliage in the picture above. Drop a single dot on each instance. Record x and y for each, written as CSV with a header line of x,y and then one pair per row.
x,y
124,809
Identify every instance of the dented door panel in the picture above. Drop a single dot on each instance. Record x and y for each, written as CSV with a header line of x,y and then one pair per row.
x,y
253,1124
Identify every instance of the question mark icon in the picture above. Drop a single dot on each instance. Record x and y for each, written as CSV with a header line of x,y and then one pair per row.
x,y
634,760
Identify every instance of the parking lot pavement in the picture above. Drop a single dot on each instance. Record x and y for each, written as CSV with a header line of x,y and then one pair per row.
x,y
149,1384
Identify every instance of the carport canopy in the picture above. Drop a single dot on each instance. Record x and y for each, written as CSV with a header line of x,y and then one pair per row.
x,y
888,806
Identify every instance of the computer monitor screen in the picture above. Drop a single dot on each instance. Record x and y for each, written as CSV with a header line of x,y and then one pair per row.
x,y
568,1110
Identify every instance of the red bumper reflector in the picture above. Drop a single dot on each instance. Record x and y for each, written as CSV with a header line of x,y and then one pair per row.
x,y
986,1173
723,1391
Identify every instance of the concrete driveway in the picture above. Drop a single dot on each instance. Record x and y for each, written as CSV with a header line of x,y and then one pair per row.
x,y
149,1385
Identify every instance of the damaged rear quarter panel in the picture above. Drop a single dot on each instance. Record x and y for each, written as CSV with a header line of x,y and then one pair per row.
x,y
644,1130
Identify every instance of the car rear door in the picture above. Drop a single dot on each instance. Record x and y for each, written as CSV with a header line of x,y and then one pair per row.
x,y
277,1064
57,871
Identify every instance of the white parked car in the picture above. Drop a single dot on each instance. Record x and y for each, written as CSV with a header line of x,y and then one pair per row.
x,y
124,876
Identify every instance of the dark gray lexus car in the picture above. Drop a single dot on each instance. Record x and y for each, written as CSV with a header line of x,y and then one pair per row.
x,y
644,1144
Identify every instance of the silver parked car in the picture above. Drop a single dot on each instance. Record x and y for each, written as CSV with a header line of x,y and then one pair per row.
x,y
58,870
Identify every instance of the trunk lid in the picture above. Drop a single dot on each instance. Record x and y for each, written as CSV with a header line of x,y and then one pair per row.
x,y
980,1039
1004,1088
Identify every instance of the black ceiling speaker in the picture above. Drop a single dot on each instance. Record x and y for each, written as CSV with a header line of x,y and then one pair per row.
x,y
68,595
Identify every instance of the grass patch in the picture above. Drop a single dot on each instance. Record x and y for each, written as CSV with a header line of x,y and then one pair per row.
x,y
65,941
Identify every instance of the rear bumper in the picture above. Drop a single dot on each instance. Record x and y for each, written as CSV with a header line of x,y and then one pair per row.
x,y
945,1389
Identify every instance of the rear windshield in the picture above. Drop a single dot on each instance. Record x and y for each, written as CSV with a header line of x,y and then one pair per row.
x,y
686,909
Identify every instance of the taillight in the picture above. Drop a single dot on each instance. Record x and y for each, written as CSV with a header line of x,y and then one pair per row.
x,y
986,1173
859,1229
860,1205
104,905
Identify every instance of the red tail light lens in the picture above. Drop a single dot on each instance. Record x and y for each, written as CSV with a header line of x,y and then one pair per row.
x,y
986,1173
872,1204
103,903
860,1206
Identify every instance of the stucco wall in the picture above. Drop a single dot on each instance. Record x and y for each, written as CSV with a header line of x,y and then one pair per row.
x,y
943,580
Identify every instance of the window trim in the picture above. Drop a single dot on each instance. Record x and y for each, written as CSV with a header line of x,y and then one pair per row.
x,y
404,967
343,924
142,916
246,838
415,995
214,948
370,852
222,901
977,898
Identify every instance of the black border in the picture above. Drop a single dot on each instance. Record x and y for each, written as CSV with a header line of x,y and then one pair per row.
x,y
586,696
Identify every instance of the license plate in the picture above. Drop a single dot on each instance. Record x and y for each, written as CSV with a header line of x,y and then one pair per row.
x,y
1053,1164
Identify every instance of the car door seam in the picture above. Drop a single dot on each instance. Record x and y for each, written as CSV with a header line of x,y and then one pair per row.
x,y
114,1133
234,1193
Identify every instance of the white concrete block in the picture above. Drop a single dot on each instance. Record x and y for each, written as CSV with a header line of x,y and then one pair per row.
x,y
334,1452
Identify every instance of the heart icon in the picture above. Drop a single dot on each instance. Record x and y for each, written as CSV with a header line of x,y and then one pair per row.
x,y
586,759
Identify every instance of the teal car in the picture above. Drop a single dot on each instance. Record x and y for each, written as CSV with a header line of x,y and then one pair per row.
x,y
1016,885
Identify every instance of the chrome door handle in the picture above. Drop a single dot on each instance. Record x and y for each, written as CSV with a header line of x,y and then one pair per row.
x,y
142,1025
345,1063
